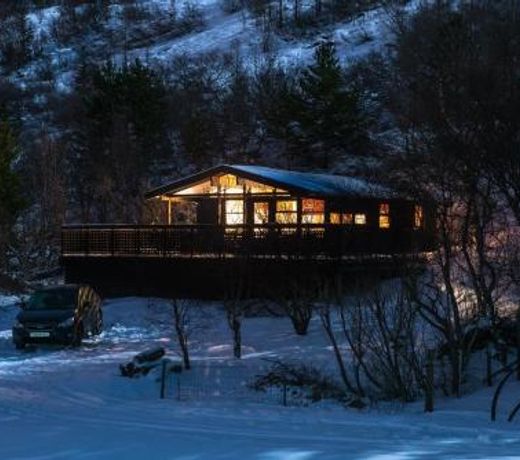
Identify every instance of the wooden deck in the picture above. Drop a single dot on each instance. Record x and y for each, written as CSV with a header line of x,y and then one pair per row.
x,y
206,260
180,241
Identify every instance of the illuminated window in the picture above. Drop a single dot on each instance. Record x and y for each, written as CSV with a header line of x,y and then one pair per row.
x,y
335,218
261,213
286,212
228,181
418,217
384,215
256,187
345,218
360,219
313,211
234,212
199,189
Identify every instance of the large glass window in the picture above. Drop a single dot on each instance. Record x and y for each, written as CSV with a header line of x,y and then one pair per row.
x,y
384,215
286,212
234,212
261,212
313,211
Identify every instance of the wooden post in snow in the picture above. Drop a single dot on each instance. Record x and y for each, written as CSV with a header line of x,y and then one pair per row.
x,y
163,378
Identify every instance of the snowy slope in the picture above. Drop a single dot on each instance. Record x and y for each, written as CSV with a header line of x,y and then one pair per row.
x,y
222,33
356,38
62,403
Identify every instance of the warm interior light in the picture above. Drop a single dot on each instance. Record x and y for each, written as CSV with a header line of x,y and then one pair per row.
x,y
360,219
418,217
313,211
335,218
384,222
261,212
199,189
347,218
228,181
286,212
234,212
384,215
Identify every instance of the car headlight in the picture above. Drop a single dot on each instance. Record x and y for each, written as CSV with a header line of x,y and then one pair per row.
x,y
17,325
69,322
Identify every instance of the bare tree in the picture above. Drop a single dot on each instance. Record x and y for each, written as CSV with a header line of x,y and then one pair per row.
x,y
455,110
237,303
326,317
187,321
377,343
300,311
38,229
297,299
384,336
235,310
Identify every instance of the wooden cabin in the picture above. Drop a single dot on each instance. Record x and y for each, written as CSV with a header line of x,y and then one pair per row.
x,y
254,213
260,203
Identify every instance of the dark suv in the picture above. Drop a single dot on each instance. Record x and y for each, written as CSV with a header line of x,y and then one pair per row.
x,y
63,314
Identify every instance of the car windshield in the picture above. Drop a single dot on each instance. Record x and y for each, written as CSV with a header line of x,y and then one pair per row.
x,y
56,299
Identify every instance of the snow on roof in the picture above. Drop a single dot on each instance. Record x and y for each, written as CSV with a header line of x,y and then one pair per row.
x,y
320,184
302,182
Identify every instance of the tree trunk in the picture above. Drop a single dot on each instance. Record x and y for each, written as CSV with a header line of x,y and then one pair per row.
x,y
237,339
455,361
185,352
327,325
182,336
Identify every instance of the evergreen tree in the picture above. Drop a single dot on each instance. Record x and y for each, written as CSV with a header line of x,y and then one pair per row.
x,y
11,202
16,39
238,114
196,105
278,103
330,114
120,133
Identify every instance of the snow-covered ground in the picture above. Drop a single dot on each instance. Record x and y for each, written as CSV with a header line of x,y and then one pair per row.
x,y
355,38
60,403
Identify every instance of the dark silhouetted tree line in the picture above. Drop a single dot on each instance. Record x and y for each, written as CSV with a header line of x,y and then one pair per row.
x,y
119,130
11,199
453,87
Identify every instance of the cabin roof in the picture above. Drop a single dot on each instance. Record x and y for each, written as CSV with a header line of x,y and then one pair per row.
x,y
312,184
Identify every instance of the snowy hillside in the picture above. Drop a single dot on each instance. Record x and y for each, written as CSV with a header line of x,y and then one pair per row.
x,y
355,38
214,31
63,403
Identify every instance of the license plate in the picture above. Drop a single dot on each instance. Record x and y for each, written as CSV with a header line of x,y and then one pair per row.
x,y
39,334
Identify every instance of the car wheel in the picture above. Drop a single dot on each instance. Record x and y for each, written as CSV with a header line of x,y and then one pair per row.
x,y
78,336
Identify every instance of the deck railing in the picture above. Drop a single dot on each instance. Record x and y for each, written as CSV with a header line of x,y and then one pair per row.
x,y
232,240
